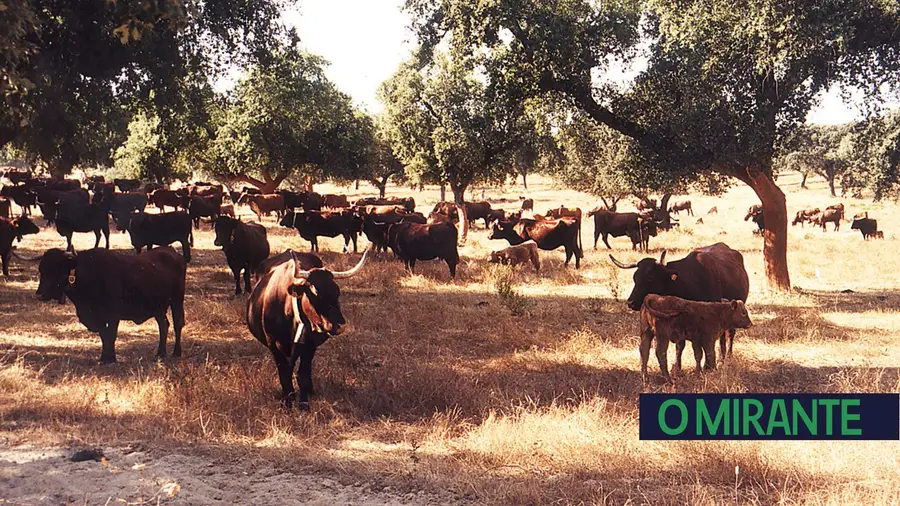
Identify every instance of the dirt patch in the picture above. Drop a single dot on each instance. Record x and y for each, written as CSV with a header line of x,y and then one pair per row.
x,y
30,475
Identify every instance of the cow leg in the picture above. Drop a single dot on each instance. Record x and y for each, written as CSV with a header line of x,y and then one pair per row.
x,y
698,353
709,349
108,341
662,349
247,278
163,322
646,338
284,376
304,374
679,349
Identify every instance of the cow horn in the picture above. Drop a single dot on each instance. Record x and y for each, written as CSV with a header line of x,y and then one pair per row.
x,y
298,272
352,272
620,265
662,258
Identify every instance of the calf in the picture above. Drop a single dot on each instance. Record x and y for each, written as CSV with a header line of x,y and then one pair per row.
x,y
13,230
293,310
161,230
867,226
107,287
245,245
673,319
83,218
314,224
518,254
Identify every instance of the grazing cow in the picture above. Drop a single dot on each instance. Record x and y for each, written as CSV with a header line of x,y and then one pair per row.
x,y
706,274
123,205
518,254
333,201
755,213
673,319
638,227
833,214
805,215
713,210
13,230
127,185
204,207
294,308
683,205
162,230
867,226
171,198
313,224
5,208
548,234
245,245
23,196
527,204
415,241
264,205
107,287
73,218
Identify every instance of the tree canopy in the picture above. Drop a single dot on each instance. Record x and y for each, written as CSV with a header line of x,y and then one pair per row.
x,y
723,83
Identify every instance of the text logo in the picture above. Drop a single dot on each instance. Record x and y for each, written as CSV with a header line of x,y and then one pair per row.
x,y
770,416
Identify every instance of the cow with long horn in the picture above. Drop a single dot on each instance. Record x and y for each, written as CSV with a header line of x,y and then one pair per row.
x,y
293,309
707,274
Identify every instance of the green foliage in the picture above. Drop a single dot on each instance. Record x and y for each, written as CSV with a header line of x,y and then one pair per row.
x,y
447,127
287,119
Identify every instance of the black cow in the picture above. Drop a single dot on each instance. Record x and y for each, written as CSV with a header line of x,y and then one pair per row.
x,y
245,245
107,287
707,274
548,234
13,230
204,207
415,241
149,230
83,218
312,224
127,185
22,195
866,226
294,330
123,205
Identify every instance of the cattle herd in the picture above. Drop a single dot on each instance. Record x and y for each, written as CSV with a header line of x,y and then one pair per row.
x,y
293,305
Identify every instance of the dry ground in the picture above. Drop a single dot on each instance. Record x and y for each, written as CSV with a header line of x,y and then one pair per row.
x,y
444,386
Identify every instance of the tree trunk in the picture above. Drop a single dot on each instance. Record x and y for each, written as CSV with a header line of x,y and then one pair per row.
x,y
443,192
775,233
803,182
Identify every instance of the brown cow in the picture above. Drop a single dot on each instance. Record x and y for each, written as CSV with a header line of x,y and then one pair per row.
x,y
673,319
518,254
264,205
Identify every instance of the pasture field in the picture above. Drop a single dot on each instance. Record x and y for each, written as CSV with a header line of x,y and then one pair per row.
x,y
444,385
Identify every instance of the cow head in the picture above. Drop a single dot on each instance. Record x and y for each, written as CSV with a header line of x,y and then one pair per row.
x,y
739,316
315,298
23,226
224,227
57,271
651,276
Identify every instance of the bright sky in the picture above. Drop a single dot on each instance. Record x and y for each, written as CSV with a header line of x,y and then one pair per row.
x,y
365,41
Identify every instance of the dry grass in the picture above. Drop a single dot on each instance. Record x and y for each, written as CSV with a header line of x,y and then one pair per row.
x,y
523,394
